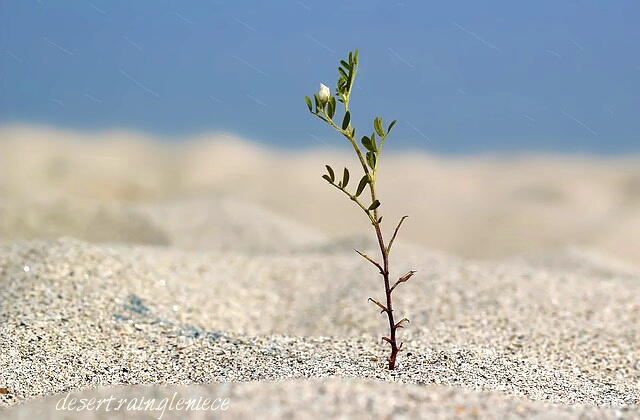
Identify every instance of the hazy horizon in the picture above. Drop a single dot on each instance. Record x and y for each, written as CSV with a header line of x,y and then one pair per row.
x,y
460,77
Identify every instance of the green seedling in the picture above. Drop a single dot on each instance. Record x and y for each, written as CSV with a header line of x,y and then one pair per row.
x,y
324,107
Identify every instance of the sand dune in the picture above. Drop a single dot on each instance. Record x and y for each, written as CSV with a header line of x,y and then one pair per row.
x,y
129,267
477,207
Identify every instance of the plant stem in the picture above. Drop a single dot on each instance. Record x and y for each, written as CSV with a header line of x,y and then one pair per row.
x,y
347,134
387,286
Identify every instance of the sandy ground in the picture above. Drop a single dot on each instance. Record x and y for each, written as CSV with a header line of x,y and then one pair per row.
x,y
216,268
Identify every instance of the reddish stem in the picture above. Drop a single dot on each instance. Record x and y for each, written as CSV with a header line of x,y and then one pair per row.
x,y
387,288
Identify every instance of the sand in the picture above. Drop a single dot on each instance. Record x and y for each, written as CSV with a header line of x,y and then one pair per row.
x,y
215,268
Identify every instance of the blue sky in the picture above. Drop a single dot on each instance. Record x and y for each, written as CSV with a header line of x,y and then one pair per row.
x,y
460,77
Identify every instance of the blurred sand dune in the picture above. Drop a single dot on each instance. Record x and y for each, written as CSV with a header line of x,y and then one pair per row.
x,y
103,187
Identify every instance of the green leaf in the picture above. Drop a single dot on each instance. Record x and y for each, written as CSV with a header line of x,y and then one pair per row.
x,y
371,159
391,126
345,178
332,106
366,142
363,183
350,57
306,98
332,176
345,64
373,142
345,121
355,57
375,205
342,72
318,106
325,176
331,109
380,220
377,124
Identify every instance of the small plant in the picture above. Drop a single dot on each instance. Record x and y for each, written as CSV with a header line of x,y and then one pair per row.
x,y
325,109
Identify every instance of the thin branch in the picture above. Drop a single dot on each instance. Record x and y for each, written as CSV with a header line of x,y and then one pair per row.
x,y
395,233
380,305
382,143
321,117
402,279
366,257
355,199
399,323
347,134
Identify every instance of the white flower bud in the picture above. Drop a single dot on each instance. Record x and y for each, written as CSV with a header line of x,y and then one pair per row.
x,y
324,93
